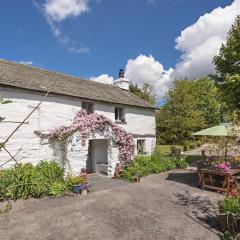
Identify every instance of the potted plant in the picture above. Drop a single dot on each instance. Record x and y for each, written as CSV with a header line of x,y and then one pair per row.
x,y
84,188
76,184
137,177
230,213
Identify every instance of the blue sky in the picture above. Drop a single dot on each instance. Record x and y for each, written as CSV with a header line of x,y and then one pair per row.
x,y
104,34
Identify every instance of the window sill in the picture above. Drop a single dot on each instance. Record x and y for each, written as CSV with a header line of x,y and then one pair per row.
x,y
120,122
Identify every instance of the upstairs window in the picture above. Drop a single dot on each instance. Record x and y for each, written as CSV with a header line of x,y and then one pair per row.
x,y
88,107
119,114
141,146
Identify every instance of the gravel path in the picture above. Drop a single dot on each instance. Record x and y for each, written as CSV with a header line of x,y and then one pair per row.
x,y
164,206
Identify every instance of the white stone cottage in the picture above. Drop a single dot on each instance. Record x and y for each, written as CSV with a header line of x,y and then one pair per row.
x,y
26,85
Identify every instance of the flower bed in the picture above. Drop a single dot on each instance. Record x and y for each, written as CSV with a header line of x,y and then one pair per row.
x,y
146,165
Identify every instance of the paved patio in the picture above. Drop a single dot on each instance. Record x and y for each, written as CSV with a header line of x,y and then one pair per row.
x,y
101,182
164,206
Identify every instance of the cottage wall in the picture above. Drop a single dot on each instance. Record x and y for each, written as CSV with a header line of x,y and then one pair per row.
x,y
56,111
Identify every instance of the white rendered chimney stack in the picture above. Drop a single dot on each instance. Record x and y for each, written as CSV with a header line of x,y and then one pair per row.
x,y
122,82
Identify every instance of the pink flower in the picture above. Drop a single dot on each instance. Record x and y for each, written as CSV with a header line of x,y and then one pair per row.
x,y
87,124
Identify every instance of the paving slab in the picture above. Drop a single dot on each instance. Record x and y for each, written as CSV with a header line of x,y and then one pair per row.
x,y
101,182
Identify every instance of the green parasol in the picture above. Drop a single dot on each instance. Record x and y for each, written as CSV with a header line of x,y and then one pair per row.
x,y
222,130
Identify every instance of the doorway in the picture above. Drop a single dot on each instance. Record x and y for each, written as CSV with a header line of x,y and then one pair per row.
x,y
97,156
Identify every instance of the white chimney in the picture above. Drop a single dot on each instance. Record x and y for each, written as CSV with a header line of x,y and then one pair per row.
x,y
122,82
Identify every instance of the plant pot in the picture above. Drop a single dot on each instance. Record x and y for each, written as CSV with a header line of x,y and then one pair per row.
x,y
229,223
76,189
137,178
84,192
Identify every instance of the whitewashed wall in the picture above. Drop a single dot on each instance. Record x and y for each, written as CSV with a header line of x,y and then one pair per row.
x,y
56,111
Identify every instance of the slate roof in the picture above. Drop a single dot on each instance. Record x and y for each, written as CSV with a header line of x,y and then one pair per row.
x,y
33,78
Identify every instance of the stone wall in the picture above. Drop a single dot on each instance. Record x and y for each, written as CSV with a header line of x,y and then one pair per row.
x,y
56,111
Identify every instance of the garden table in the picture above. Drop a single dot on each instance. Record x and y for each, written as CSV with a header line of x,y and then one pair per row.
x,y
209,173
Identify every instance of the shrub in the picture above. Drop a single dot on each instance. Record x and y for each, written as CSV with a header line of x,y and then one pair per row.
x,y
185,148
145,165
75,180
192,146
230,205
199,143
181,163
25,180
57,188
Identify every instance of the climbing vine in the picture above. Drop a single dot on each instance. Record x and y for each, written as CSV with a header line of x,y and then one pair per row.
x,y
86,124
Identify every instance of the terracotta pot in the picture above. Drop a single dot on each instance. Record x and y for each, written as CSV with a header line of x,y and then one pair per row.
x,y
137,179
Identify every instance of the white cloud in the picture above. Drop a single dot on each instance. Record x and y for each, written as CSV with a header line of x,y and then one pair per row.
x,y
26,62
59,10
200,42
56,11
104,78
144,69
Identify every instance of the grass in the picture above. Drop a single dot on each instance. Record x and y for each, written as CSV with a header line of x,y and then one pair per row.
x,y
192,158
166,149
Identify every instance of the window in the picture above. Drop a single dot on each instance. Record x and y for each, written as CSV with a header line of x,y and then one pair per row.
x,y
119,114
88,107
141,146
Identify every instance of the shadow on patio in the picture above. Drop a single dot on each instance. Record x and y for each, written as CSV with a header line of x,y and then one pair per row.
x,y
189,178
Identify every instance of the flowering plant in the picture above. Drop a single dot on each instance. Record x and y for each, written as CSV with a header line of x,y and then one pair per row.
x,y
87,124
85,186
226,166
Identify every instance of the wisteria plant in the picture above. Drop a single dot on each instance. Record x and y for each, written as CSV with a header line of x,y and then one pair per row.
x,y
86,124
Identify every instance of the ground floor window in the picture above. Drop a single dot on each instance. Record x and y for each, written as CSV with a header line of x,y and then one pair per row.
x,y
141,146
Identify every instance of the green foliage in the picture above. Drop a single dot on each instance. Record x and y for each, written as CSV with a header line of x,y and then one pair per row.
x,y
75,180
227,64
146,92
230,52
25,180
230,205
50,171
190,105
227,236
57,188
146,165
166,149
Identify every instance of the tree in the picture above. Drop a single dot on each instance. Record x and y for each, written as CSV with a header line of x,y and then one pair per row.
x,y
227,64
190,105
146,92
207,99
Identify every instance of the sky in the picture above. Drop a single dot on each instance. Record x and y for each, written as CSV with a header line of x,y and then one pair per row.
x,y
154,41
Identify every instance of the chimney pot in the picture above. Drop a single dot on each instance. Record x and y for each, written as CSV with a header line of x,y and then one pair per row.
x,y
122,82
121,73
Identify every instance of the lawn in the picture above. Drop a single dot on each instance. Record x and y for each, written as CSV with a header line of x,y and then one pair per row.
x,y
166,149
